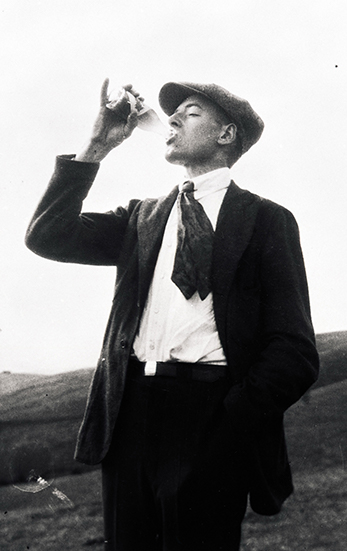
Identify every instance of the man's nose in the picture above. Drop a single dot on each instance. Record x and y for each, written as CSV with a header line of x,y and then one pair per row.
x,y
175,120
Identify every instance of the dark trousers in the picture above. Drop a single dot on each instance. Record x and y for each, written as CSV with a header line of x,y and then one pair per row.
x,y
175,477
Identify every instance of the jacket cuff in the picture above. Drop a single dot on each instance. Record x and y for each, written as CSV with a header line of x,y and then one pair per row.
x,y
67,166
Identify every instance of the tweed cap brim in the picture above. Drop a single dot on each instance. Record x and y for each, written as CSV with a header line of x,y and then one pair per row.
x,y
250,126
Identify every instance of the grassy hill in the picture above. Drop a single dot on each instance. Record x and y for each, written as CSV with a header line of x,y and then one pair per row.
x,y
332,349
37,398
39,421
40,417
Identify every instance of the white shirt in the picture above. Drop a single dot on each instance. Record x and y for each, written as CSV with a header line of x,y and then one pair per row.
x,y
173,328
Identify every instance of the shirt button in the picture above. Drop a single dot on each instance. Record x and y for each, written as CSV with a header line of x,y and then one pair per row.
x,y
151,346
123,343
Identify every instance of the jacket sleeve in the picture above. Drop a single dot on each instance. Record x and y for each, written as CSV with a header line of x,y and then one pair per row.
x,y
287,362
59,231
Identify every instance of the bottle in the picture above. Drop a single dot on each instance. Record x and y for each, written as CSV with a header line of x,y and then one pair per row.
x,y
147,118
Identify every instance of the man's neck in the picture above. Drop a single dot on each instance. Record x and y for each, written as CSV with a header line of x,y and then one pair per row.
x,y
193,171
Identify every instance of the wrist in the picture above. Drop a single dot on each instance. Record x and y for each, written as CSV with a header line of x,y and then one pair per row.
x,y
93,152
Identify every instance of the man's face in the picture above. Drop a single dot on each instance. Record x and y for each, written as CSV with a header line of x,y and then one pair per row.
x,y
194,130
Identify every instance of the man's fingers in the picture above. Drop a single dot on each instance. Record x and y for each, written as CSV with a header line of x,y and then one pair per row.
x,y
131,123
132,120
127,87
135,93
104,92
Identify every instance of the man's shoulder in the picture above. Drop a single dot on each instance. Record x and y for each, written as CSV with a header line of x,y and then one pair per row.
x,y
268,215
266,206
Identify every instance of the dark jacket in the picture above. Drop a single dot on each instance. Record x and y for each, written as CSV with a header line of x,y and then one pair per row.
x,y
260,299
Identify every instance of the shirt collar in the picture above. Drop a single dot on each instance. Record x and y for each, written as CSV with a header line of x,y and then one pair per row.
x,y
210,182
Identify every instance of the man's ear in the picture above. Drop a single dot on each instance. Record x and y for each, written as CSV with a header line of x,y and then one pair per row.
x,y
228,134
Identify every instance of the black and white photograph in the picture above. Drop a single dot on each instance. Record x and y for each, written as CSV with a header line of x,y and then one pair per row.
x,y
173,311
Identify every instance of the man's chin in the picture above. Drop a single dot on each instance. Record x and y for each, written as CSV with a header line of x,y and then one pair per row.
x,y
173,158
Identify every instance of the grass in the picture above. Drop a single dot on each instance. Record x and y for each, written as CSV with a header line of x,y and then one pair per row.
x,y
313,519
40,418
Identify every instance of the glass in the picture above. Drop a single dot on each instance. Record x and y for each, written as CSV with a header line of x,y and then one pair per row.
x,y
148,119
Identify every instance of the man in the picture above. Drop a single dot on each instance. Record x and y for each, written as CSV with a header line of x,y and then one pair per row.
x,y
206,346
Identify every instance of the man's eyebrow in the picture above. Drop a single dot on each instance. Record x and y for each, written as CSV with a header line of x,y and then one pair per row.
x,y
191,104
194,104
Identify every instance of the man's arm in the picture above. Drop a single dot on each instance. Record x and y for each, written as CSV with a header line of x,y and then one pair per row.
x,y
58,230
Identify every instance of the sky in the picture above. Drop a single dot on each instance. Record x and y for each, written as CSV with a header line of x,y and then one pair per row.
x,y
288,59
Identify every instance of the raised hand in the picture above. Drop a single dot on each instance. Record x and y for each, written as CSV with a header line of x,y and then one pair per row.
x,y
111,127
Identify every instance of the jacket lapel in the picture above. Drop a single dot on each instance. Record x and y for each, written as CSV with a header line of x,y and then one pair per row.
x,y
234,229
235,226
151,224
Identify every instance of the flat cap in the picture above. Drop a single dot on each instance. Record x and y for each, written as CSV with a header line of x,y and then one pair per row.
x,y
239,111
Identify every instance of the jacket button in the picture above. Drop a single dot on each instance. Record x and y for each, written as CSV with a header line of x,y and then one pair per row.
x,y
123,343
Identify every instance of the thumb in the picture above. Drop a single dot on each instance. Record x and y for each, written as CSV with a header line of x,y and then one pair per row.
x,y
131,123
103,92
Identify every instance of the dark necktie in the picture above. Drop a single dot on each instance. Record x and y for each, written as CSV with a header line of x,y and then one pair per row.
x,y
192,267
